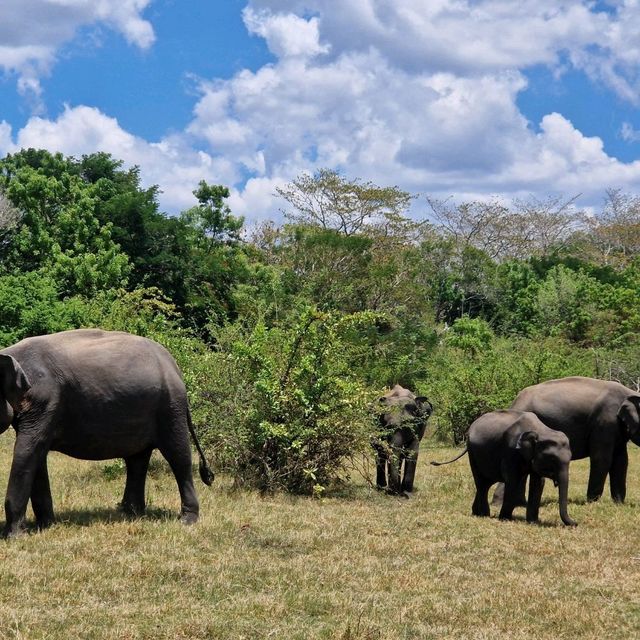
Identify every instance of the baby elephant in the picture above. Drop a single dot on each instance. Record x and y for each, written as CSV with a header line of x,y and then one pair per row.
x,y
506,446
403,422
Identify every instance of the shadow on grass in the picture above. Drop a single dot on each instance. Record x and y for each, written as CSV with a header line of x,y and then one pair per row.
x,y
104,515
522,520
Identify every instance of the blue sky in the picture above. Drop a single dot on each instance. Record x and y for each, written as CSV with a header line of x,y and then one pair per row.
x,y
473,99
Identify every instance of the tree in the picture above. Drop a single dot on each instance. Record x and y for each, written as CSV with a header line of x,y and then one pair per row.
x,y
615,231
212,218
59,232
528,228
331,201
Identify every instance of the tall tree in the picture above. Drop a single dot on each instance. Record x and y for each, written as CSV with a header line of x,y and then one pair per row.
x,y
331,201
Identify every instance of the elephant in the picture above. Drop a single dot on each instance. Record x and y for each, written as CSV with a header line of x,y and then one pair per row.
x,y
403,422
508,446
598,416
94,395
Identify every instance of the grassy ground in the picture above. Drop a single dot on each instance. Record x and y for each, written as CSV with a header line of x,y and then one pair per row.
x,y
358,566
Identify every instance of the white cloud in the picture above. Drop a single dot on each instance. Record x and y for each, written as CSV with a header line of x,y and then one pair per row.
x,y
418,93
287,35
32,32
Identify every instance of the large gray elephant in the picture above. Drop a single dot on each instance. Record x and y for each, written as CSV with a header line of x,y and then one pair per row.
x,y
508,446
403,422
94,395
598,416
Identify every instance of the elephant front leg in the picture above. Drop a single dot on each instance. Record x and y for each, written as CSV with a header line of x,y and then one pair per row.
x,y
410,463
511,490
600,466
536,485
393,467
381,466
26,461
41,500
618,474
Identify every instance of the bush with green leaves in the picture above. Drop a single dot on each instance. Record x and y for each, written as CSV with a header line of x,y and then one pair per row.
x,y
286,410
464,382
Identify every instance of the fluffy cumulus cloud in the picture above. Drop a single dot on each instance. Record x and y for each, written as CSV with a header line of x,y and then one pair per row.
x,y
419,93
32,32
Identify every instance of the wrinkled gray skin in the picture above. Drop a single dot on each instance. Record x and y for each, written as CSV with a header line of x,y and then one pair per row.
x,y
508,446
93,395
403,422
598,416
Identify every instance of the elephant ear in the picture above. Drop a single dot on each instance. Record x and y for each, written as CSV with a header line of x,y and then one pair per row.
x,y
526,444
424,406
13,381
629,415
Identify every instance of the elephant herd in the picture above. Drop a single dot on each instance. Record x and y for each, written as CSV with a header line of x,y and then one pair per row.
x,y
97,395
548,425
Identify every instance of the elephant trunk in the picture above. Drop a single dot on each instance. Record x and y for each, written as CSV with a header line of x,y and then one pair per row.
x,y
563,491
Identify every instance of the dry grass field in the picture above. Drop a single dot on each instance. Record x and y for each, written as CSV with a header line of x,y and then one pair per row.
x,y
355,566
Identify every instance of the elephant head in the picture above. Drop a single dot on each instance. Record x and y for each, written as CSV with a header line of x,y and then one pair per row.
x,y
401,407
629,416
14,384
549,455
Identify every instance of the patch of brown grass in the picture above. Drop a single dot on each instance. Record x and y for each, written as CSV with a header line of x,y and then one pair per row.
x,y
362,567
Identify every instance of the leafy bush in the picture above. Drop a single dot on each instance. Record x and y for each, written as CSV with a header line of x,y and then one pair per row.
x,y
290,414
463,387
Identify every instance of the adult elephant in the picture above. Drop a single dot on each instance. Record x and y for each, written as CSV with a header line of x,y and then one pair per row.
x,y
598,416
508,446
403,422
94,395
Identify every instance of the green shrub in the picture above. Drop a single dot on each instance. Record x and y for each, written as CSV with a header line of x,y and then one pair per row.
x,y
287,411
463,385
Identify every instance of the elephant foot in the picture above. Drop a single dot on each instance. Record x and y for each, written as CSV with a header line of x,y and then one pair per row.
x,y
394,492
593,498
44,523
132,510
14,531
189,517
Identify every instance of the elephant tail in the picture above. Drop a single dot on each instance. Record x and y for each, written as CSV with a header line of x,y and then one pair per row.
x,y
437,464
206,473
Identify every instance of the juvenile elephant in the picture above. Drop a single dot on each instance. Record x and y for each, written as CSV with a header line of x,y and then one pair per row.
x,y
94,395
403,422
508,446
599,417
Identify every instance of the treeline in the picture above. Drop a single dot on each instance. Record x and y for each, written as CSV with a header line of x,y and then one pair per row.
x,y
287,332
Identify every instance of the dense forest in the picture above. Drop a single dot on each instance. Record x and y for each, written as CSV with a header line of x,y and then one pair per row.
x,y
287,333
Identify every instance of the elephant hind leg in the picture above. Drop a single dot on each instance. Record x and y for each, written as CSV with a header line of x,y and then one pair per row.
x,y
133,501
175,446
480,506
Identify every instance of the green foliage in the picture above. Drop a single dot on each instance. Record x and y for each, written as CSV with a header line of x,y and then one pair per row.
x,y
298,414
472,335
29,305
283,338
463,387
